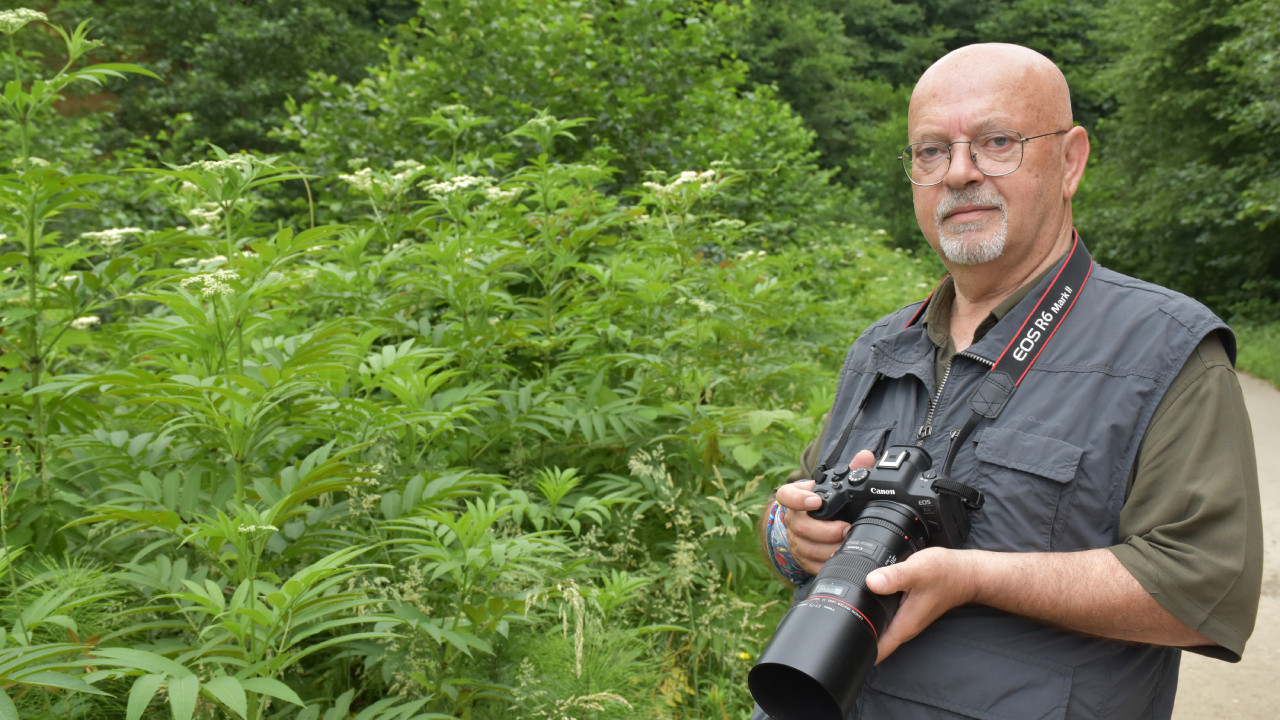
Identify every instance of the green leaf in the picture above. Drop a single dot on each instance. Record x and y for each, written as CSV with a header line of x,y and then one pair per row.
x,y
760,420
183,694
274,688
747,456
61,681
7,709
228,691
140,660
144,688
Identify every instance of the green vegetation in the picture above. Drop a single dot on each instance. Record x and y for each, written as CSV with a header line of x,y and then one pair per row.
x,y
1259,350
424,359
476,421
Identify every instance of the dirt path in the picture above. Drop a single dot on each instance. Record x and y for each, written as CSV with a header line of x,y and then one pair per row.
x,y
1250,690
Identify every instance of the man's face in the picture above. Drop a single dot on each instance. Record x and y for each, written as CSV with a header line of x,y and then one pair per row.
x,y
970,218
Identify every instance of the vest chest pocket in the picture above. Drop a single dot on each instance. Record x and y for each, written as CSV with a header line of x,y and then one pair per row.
x,y
1028,481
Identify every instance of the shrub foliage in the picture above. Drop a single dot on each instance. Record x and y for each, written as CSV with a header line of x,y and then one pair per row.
x,y
480,432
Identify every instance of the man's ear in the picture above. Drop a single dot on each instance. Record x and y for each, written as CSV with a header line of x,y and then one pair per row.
x,y
1075,155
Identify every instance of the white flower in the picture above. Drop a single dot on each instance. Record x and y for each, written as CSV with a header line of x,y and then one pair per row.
x,y
112,236
211,284
703,179
364,181
220,167
183,262
248,529
11,21
86,322
500,195
407,167
29,163
205,212
461,182
703,306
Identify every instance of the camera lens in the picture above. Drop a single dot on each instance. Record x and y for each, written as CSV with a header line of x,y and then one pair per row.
x,y
826,645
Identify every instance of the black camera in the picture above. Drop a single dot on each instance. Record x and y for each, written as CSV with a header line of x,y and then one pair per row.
x,y
823,649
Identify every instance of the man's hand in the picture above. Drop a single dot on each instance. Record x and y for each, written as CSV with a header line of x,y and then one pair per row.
x,y
813,542
932,581
1041,586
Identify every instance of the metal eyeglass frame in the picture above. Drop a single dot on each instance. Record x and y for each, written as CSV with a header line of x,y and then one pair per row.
x,y
972,156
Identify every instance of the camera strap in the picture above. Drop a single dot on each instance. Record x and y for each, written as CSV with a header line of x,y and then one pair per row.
x,y
1009,370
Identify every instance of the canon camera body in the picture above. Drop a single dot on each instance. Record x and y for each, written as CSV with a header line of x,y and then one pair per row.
x,y
826,644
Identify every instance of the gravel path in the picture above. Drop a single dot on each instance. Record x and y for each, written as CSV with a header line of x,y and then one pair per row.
x,y
1250,690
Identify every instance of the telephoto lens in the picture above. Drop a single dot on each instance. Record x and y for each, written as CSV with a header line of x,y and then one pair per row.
x,y
825,646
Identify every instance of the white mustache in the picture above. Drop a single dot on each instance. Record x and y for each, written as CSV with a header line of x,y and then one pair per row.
x,y
968,196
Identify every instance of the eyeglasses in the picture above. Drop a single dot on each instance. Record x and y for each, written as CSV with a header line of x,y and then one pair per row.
x,y
994,153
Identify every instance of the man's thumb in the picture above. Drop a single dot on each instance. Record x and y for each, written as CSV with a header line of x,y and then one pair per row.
x,y
864,459
878,582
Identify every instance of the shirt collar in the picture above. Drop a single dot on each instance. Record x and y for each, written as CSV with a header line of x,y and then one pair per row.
x,y
937,319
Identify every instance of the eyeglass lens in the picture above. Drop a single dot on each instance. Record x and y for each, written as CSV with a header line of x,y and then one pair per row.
x,y
994,153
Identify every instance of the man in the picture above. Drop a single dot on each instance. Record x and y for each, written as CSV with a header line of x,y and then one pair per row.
x,y
1121,520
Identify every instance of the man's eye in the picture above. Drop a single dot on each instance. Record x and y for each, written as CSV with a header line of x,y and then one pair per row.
x,y
930,152
997,141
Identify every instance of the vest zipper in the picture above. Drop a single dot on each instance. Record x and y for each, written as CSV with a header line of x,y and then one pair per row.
x,y
927,428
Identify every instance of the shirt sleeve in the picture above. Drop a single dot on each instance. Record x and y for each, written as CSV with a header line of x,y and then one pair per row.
x,y
1191,526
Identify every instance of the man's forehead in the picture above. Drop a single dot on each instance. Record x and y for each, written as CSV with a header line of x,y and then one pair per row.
x,y
934,117
1000,84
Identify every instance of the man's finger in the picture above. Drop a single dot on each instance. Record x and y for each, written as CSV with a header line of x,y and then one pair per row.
x,y
881,582
864,459
798,496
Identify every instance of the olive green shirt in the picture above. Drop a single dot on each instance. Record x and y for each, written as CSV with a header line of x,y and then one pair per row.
x,y
1191,526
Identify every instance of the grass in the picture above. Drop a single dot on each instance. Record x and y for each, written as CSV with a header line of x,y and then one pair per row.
x,y
1259,351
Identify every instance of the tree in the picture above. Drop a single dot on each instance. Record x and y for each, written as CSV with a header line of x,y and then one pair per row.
x,y
229,66
848,69
655,80
1185,185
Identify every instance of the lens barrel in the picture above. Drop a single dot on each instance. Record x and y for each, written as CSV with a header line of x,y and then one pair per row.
x,y
825,646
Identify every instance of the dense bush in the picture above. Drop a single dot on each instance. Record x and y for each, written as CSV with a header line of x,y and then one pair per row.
x,y
485,441
654,82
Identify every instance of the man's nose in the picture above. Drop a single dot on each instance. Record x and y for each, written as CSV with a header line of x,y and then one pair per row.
x,y
963,168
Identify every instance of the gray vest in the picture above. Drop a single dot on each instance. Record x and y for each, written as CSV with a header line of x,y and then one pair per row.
x,y
1053,467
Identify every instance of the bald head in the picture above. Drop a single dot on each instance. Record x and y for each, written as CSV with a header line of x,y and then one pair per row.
x,y
1028,84
997,229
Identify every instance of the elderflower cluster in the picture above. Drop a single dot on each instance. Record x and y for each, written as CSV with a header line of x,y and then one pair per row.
x,y
205,212
211,284
250,529
461,182
11,21
30,163
202,264
688,177
364,181
112,236
500,195
703,306
86,322
220,167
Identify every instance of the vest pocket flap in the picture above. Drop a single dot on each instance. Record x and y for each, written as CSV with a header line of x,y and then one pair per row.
x,y
1037,454
998,683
